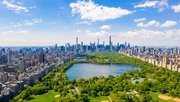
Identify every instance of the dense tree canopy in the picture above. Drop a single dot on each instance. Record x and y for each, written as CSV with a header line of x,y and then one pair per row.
x,y
119,88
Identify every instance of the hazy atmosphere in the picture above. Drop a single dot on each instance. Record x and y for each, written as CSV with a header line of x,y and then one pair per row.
x,y
46,22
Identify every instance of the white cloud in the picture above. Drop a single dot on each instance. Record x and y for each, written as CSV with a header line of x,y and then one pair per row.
x,y
17,7
101,33
78,31
94,12
155,34
143,33
84,22
176,8
169,24
142,37
104,27
30,22
150,23
155,23
4,27
160,4
139,19
15,32
146,4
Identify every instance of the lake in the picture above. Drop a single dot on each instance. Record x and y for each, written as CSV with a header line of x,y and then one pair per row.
x,y
87,70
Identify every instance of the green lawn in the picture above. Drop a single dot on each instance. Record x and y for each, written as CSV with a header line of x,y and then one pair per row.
x,y
99,99
47,97
103,98
155,97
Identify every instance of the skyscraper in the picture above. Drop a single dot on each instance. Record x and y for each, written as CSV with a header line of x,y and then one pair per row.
x,y
76,40
164,61
125,44
129,45
9,56
41,57
76,43
109,40
110,43
98,42
55,47
22,64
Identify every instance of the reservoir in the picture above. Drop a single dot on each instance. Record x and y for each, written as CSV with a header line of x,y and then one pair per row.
x,y
87,70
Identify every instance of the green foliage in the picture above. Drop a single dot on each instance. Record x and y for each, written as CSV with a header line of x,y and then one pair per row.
x,y
119,88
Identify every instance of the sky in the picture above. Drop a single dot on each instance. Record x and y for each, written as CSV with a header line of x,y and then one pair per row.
x,y
47,22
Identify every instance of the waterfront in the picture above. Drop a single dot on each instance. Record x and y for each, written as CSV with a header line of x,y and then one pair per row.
x,y
87,70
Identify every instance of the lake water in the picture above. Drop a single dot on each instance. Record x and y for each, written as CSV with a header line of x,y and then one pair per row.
x,y
87,70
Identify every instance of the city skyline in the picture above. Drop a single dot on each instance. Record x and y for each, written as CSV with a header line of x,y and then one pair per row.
x,y
45,23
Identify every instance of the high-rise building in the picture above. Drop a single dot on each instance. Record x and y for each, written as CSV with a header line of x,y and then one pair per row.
x,y
3,50
125,44
21,65
110,43
76,43
0,53
109,40
98,42
55,47
81,43
175,51
9,56
41,57
81,47
164,61
129,45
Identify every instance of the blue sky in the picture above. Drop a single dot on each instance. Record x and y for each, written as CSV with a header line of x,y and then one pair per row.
x,y
46,22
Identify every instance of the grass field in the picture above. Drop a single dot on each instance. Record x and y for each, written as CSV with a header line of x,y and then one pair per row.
x,y
99,99
50,96
47,97
155,97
